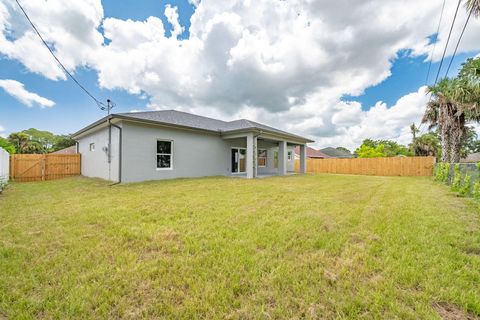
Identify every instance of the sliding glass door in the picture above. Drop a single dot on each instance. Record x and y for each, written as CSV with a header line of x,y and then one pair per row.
x,y
238,160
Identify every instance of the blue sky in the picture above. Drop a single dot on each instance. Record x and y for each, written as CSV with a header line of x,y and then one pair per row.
x,y
73,109
407,75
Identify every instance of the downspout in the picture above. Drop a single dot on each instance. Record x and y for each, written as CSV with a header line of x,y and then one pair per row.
x,y
109,146
119,153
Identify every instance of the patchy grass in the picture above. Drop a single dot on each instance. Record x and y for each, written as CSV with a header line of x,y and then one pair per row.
x,y
323,246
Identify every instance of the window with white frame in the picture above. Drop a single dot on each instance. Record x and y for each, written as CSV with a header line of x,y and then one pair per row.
x,y
289,155
164,154
262,157
92,146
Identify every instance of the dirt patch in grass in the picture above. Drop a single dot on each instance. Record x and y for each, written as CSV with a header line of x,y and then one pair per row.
x,y
472,250
449,311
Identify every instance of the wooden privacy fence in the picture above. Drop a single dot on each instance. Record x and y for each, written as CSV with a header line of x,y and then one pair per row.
x,y
392,166
37,167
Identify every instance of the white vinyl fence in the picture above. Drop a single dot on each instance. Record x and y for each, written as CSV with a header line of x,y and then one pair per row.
x,y
4,167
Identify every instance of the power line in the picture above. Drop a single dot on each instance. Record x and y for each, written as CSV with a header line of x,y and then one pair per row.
x,y
98,102
458,42
448,40
433,51
435,43
446,46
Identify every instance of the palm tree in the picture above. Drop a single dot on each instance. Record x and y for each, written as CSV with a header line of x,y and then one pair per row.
x,y
414,130
473,6
427,144
439,113
454,103
19,140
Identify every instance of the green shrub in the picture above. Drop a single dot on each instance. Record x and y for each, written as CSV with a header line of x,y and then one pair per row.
x,y
465,189
476,190
478,165
441,172
456,181
3,184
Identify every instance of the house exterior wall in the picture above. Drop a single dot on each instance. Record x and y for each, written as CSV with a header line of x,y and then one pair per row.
x,y
195,154
95,163
4,165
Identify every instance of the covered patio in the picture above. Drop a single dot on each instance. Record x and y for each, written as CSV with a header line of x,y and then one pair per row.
x,y
260,154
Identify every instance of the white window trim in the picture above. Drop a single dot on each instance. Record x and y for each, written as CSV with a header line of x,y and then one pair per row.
x,y
92,144
165,154
266,157
238,148
289,155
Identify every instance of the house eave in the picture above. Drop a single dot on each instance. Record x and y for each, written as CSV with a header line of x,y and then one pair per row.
x,y
268,134
260,131
112,117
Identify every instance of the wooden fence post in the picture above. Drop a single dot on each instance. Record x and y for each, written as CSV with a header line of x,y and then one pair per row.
x,y
12,167
42,163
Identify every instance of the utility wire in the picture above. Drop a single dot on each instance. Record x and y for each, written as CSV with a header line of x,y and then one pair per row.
x,y
433,51
458,42
98,102
435,43
446,44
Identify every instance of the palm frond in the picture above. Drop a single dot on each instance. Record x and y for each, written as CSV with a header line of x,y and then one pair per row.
x,y
473,6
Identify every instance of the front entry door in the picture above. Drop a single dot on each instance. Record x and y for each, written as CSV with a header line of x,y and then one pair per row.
x,y
238,160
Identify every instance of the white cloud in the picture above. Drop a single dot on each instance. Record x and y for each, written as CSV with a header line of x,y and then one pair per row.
x,y
2,132
285,63
194,2
69,27
17,90
172,16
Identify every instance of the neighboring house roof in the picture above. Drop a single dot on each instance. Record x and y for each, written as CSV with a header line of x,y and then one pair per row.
x,y
188,120
472,157
313,153
69,150
335,153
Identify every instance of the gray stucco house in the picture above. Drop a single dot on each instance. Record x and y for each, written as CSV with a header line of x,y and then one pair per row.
x,y
139,146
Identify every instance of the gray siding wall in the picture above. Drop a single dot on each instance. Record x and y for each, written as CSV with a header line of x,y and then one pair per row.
x,y
95,163
195,154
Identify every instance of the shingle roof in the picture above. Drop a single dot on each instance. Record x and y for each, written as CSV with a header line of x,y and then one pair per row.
x,y
199,122
335,153
178,118
313,153
472,157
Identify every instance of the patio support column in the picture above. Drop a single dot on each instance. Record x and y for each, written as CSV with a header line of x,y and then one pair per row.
x,y
251,156
303,158
282,158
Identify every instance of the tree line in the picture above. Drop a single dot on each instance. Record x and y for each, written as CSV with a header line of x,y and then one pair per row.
x,y
454,104
35,141
428,144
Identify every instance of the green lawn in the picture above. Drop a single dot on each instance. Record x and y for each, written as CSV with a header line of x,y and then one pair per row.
x,y
301,247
